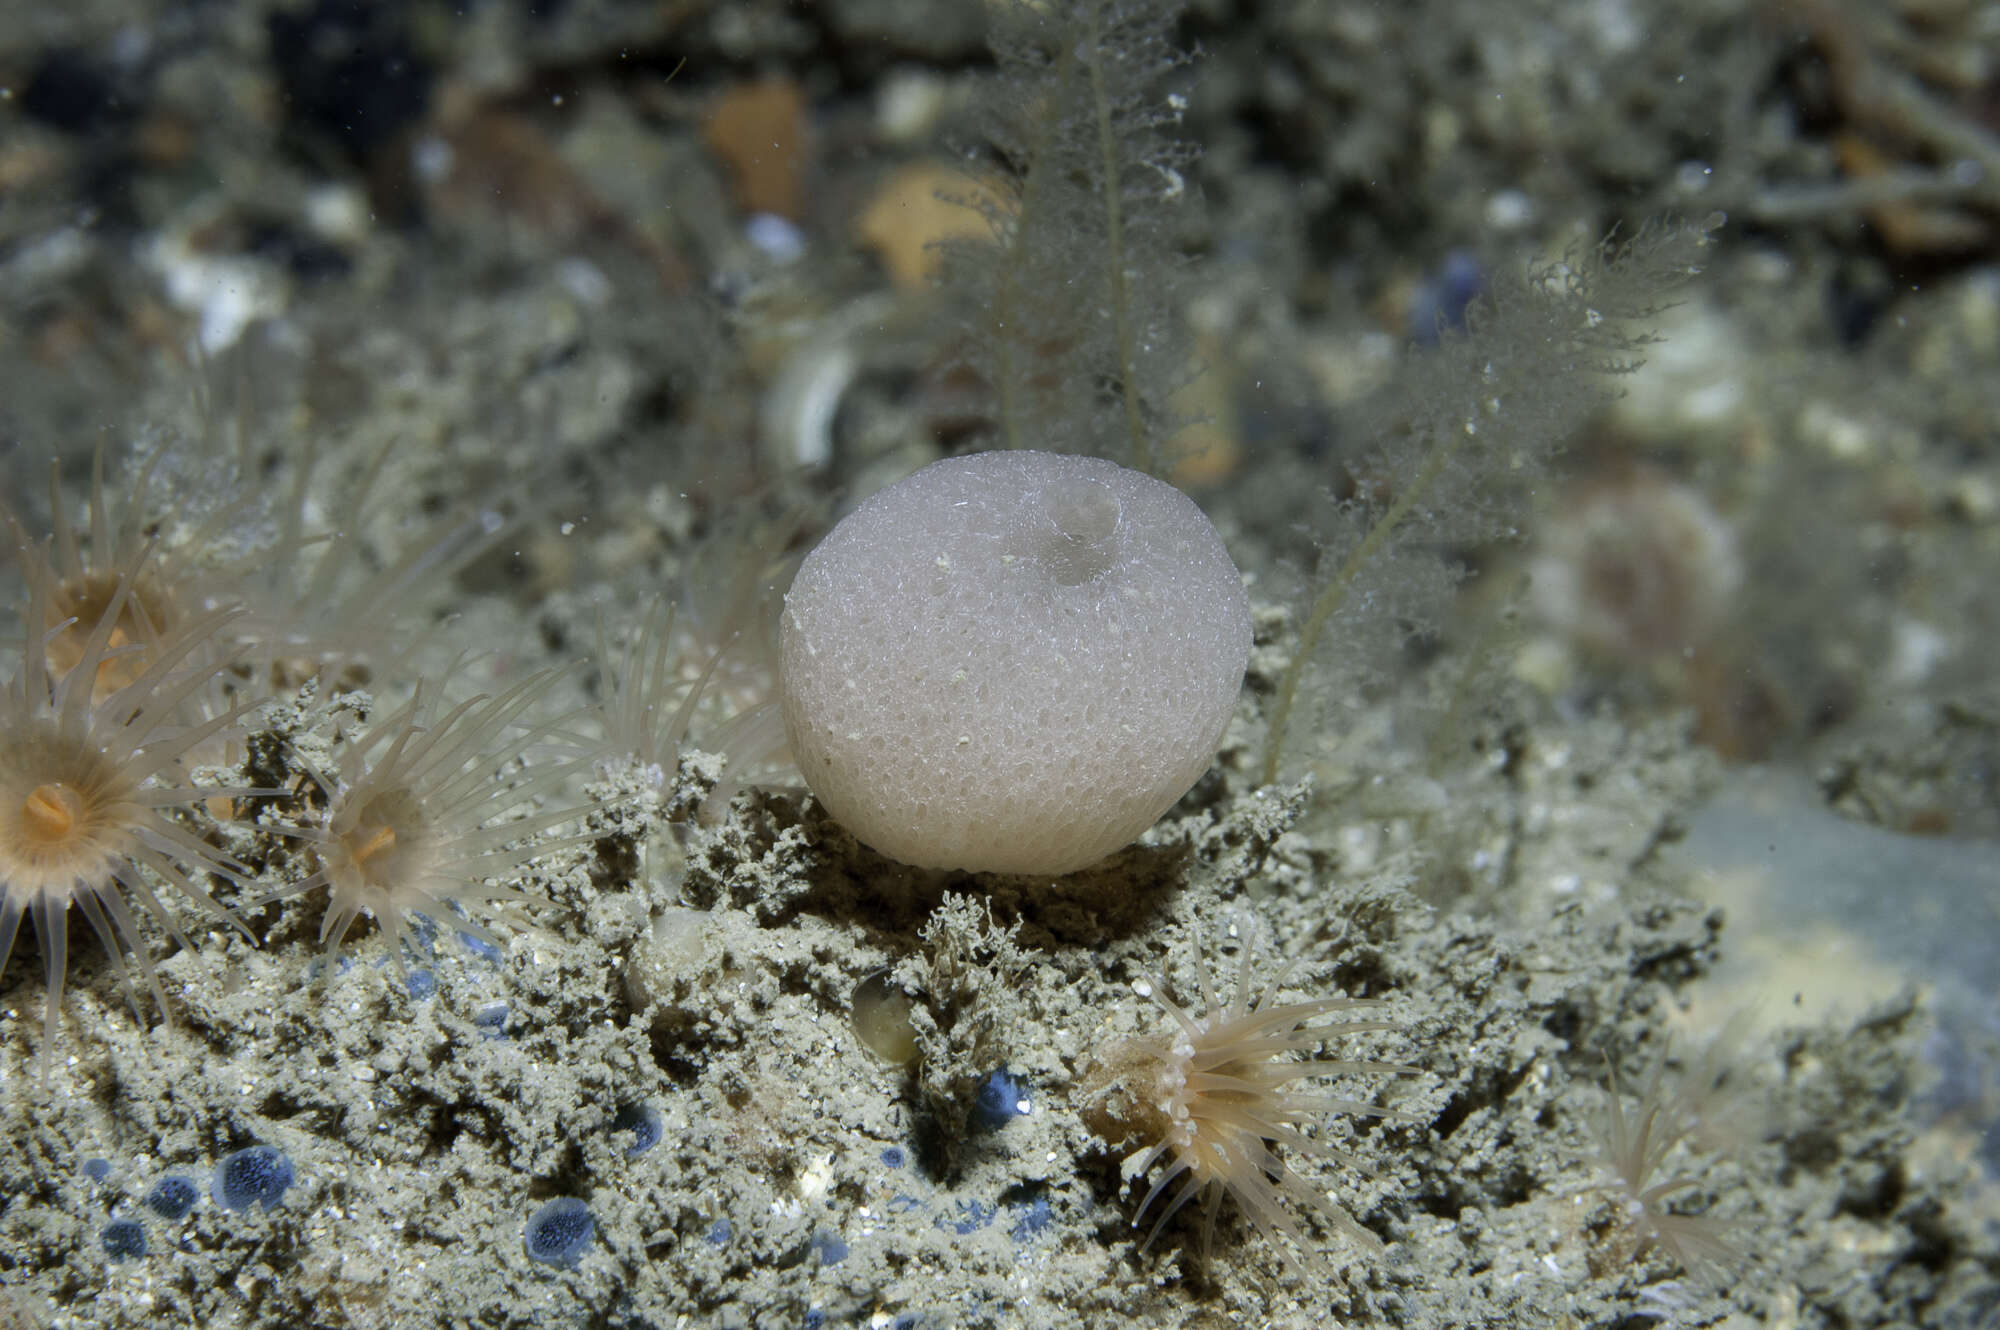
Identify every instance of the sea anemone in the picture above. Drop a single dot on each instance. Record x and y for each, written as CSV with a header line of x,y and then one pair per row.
x,y
647,705
116,556
418,821
324,603
87,782
1213,1094
1636,1149
189,534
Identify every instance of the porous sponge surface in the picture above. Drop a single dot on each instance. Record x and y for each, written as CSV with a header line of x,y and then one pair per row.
x,y
1012,662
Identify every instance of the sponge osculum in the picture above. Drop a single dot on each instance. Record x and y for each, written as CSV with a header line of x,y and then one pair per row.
x,y
1012,662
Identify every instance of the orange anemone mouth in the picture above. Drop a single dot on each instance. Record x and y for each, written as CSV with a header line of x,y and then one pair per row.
x,y
145,617
50,816
386,841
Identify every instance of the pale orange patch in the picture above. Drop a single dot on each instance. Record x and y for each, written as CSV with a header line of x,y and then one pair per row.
x,y
920,206
759,131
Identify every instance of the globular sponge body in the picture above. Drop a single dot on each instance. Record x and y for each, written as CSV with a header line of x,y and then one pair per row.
x,y
1012,662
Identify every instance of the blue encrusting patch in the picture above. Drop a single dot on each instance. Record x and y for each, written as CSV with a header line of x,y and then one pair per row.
x,y
172,1197
1002,1098
559,1232
643,1123
123,1240
257,1176
491,1018
1030,1219
972,1216
829,1247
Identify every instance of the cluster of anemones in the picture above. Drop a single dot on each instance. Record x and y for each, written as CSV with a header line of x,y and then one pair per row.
x,y
141,659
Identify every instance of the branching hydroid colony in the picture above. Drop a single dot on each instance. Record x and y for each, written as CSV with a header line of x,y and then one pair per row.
x,y
1072,312
1072,317
1454,443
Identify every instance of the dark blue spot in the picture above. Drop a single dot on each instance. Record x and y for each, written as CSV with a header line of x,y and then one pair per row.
x,y
421,933
492,1019
1440,302
815,1319
972,1216
908,1321
1000,1101
480,947
317,966
558,1232
829,1248
257,1176
719,1232
172,1197
97,1170
123,1239
422,984
80,92
643,1122
1030,1219
893,1156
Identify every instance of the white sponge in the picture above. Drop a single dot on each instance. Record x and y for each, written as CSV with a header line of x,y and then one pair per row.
x,y
1012,662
